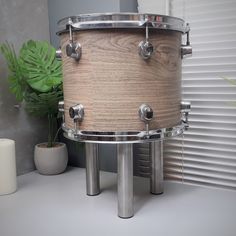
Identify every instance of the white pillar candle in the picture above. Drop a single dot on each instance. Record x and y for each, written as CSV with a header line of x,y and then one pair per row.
x,y
7,167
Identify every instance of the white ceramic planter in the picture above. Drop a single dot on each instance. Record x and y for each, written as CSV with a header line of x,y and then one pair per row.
x,y
50,161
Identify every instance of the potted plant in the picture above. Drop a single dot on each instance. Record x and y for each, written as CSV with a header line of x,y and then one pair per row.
x,y
36,79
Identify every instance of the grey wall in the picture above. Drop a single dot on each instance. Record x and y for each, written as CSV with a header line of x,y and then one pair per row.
x,y
59,9
21,20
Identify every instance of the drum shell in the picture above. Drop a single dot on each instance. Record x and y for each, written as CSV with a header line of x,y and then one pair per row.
x,y
111,80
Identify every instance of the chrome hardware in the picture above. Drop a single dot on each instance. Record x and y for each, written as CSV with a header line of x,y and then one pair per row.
x,y
92,169
58,54
185,106
61,106
61,110
156,156
73,50
125,180
186,49
146,115
77,114
145,47
185,109
123,137
121,20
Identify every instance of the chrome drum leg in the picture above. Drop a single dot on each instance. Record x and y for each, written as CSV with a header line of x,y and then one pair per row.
x,y
125,180
156,180
92,169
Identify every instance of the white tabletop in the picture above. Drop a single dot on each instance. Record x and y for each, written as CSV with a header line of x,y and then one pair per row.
x,y
58,205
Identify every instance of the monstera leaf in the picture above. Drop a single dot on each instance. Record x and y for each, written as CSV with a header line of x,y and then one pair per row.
x,y
42,104
35,76
40,67
15,77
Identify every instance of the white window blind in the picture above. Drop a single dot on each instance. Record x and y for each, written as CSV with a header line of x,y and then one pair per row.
x,y
206,154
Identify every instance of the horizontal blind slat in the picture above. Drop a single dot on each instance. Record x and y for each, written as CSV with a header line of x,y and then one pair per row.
x,y
202,174
200,181
205,169
196,158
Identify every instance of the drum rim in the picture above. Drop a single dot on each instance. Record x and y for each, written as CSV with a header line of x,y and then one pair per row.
x,y
123,137
122,20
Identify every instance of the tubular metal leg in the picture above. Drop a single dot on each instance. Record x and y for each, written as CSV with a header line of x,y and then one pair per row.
x,y
156,180
125,180
92,169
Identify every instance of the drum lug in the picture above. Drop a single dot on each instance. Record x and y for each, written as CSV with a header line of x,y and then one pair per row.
x,y
73,49
61,110
145,47
186,49
185,108
58,54
146,115
77,114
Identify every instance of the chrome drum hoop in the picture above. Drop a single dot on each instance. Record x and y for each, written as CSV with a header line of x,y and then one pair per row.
x,y
121,20
123,137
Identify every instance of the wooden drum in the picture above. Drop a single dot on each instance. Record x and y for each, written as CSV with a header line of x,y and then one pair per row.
x,y
113,64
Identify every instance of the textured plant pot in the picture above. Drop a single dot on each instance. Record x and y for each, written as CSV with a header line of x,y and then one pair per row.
x,y
50,161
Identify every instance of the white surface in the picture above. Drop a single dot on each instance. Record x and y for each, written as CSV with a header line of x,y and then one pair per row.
x,y
58,205
154,6
7,166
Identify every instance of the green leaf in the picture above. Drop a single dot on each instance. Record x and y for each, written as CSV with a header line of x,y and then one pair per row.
x,y
40,67
43,104
16,77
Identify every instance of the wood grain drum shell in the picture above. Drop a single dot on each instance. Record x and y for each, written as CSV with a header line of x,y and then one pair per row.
x,y
111,80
